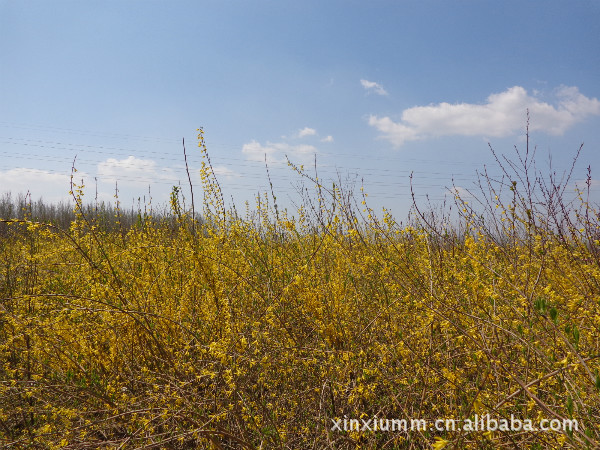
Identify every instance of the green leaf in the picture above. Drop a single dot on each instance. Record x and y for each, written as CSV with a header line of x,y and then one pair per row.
x,y
553,314
576,336
570,406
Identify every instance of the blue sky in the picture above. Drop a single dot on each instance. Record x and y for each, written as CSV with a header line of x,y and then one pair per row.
x,y
376,89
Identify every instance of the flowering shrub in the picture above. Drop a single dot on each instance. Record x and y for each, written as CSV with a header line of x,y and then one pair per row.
x,y
263,331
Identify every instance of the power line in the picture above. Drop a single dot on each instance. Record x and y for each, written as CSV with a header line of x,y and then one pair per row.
x,y
363,170
12,125
237,165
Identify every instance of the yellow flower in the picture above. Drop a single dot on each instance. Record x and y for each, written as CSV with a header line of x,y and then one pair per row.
x,y
439,443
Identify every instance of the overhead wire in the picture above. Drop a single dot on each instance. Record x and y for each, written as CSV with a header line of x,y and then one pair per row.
x,y
361,171
234,164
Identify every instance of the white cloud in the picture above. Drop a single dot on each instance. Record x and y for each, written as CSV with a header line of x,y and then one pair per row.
x,y
133,170
51,186
502,115
327,139
276,152
372,86
306,132
255,151
223,171
133,175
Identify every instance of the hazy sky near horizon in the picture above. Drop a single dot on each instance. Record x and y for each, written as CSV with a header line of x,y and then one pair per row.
x,y
375,89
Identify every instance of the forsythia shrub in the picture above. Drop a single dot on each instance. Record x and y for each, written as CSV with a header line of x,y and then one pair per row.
x,y
265,331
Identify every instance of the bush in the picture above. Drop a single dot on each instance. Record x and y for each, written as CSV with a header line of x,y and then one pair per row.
x,y
272,331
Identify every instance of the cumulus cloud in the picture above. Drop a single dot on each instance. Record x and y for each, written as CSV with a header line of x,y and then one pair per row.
x,y
372,86
133,170
275,152
501,115
306,132
255,151
51,186
224,171
327,139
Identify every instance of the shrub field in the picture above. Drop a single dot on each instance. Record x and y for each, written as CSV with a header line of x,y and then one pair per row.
x,y
323,329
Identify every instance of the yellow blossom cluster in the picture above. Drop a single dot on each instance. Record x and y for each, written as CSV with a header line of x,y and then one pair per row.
x,y
261,331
